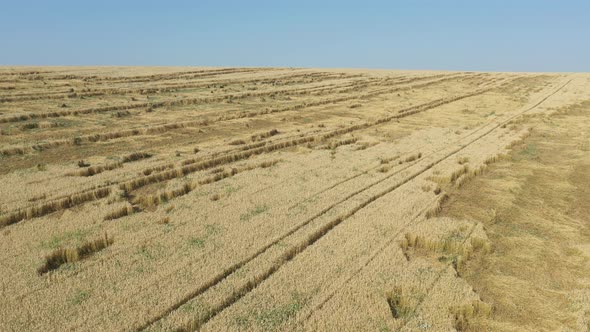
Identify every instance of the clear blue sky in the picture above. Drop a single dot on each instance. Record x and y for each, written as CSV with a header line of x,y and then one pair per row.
x,y
499,35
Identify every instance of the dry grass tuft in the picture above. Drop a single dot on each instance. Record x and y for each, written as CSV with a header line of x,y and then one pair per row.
x,y
53,206
413,157
259,137
457,173
384,169
480,245
449,246
93,170
12,151
237,142
495,158
437,190
119,212
456,247
462,179
444,179
399,303
334,144
136,156
70,255
192,165
383,161
435,210
267,164
166,195
471,317
463,160
217,170
365,145
149,171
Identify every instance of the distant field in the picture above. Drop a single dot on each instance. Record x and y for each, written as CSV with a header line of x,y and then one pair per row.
x,y
279,199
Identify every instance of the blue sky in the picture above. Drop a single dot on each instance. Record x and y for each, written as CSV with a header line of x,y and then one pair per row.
x,y
494,35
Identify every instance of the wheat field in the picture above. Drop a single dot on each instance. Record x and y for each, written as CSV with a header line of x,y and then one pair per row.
x,y
257,199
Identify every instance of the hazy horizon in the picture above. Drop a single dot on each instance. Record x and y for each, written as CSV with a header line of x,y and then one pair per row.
x,y
528,36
